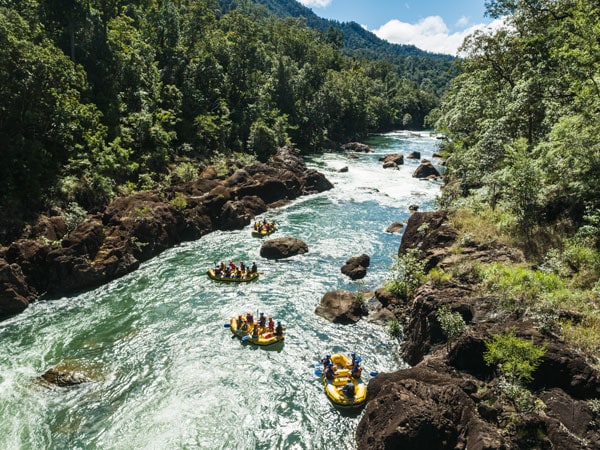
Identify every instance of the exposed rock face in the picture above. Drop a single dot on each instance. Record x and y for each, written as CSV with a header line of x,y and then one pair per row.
x,y
414,155
356,147
426,170
451,398
15,294
342,307
283,247
133,229
356,267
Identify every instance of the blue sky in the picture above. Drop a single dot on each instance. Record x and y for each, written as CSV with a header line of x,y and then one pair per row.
x,y
433,25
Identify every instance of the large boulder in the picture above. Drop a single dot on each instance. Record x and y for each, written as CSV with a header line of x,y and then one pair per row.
x,y
426,170
63,378
341,306
392,160
356,267
356,147
283,247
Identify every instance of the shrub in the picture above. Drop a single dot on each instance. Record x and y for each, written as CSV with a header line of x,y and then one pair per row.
x,y
406,274
179,202
74,215
452,323
394,328
438,277
516,358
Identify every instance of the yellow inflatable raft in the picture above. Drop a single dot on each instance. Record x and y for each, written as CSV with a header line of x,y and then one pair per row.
x,y
244,277
246,333
335,388
259,230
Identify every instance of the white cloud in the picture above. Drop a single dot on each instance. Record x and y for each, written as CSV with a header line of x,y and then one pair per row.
x,y
462,22
429,34
315,3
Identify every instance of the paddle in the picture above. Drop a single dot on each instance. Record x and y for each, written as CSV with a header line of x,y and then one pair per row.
x,y
227,325
245,338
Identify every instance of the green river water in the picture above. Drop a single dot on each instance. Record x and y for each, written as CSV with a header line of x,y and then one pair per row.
x,y
168,375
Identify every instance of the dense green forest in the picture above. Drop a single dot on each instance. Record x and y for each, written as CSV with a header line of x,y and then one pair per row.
x,y
429,70
523,119
102,98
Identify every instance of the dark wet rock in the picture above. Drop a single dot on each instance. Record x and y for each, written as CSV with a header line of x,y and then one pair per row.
x,y
425,170
413,209
392,161
15,293
64,378
356,147
343,169
283,247
414,155
395,227
52,228
356,267
341,306
423,408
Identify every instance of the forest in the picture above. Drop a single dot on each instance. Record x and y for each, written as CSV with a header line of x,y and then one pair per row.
x,y
523,157
106,98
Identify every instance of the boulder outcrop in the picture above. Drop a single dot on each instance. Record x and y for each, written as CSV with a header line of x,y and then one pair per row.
x,y
426,170
342,307
356,267
451,398
133,229
283,247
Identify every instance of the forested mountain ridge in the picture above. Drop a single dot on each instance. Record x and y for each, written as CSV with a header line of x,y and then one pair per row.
x,y
104,99
413,63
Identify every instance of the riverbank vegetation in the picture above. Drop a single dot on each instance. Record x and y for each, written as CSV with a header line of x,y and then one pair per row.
x,y
523,167
102,99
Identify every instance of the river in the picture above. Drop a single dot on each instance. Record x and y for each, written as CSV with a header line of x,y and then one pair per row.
x,y
168,375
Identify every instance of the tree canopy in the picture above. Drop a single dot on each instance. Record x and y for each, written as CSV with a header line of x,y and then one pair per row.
x,y
101,96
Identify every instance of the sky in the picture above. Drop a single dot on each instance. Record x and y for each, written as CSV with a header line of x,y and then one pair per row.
x,y
434,25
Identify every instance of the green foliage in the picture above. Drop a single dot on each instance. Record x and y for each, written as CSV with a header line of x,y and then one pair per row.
x,y
438,277
519,287
406,274
186,172
98,96
452,323
179,202
516,358
525,111
521,398
74,215
394,328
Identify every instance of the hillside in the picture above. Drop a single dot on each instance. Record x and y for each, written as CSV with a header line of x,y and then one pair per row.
x,y
413,63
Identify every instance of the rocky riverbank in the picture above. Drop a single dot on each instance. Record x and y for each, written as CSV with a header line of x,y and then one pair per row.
x,y
450,398
46,260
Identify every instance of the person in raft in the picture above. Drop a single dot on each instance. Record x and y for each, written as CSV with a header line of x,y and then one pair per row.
x,y
356,371
326,361
255,332
330,371
271,325
249,318
279,329
348,389
262,320
253,269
